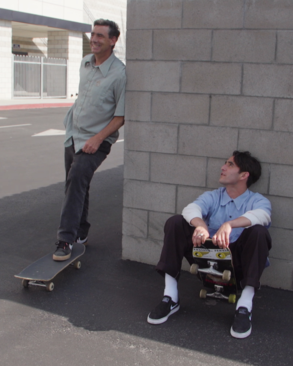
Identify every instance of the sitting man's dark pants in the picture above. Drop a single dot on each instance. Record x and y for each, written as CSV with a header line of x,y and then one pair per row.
x,y
249,251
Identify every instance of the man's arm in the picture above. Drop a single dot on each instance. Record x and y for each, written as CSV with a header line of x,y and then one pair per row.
x,y
221,238
250,218
201,232
92,144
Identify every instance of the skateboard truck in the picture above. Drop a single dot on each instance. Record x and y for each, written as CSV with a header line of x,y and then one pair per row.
x,y
213,266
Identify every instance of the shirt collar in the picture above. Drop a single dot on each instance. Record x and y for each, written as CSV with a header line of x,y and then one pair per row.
x,y
105,66
225,199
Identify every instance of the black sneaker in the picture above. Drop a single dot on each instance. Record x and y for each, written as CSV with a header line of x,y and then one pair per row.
x,y
63,251
241,327
162,312
82,240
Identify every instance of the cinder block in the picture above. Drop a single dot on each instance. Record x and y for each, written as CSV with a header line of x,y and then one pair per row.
x,y
268,80
282,212
178,169
279,274
153,137
136,165
187,195
138,106
213,14
268,14
244,46
267,146
281,181
283,115
215,78
285,47
141,250
135,222
282,247
243,112
156,225
143,14
153,76
139,45
180,108
207,141
182,44
149,196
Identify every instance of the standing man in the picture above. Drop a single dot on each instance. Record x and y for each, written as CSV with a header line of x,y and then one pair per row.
x,y
233,217
92,125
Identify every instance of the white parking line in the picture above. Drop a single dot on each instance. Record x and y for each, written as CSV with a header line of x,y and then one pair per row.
x,y
29,124
50,132
3,117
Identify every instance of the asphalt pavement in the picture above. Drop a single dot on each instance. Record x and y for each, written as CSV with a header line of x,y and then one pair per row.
x,y
97,315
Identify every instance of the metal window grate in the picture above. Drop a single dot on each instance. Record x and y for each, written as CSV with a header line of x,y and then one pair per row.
x,y
39,77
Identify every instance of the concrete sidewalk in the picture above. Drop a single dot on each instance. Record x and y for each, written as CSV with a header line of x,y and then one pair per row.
x,y
27,103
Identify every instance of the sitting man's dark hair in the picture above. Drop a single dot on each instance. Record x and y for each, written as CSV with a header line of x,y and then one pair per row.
x,y
114,30
248,163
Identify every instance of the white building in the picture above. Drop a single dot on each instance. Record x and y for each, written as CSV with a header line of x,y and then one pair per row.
x,y
55,29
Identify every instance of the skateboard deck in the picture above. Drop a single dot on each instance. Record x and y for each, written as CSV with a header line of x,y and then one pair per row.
x,y
42,271
214,268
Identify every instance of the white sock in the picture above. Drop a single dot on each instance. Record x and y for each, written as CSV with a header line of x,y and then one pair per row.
x,y
246,298
171,287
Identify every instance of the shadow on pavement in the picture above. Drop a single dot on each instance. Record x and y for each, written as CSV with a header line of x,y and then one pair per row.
x,y
111,294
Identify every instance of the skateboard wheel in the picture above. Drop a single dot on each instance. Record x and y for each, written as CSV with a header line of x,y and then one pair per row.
x,y
194,268
226,276
203,293
232,299
25,283
77,264
50,286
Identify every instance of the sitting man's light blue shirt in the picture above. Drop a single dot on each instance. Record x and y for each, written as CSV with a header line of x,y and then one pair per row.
x,y
218,207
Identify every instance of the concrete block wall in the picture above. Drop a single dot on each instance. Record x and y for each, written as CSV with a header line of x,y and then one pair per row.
x,y
5,59
206,77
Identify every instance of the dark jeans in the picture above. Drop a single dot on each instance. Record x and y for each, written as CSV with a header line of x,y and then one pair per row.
x,y
80,168
249,251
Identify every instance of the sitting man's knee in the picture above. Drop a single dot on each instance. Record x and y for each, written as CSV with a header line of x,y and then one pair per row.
x,y
174,221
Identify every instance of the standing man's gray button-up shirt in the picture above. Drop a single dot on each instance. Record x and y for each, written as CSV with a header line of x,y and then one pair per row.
x,y
100,99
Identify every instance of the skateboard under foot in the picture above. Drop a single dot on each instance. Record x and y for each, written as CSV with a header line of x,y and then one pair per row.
x,y
44,270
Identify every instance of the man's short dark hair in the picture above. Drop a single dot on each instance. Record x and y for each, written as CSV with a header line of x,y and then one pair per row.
x,y
248,163
114,30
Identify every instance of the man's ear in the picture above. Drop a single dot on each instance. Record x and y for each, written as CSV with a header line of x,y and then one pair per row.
x,y
244,175
113,41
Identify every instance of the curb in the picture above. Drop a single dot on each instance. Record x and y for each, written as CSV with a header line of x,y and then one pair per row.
x,y
34,106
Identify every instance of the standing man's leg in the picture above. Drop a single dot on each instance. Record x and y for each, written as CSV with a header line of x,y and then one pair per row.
x,y
80,169
249,255
177,244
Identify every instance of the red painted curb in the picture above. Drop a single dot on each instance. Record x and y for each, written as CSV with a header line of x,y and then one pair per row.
x,y
34,106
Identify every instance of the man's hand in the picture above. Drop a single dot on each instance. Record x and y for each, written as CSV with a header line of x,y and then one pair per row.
x,y
91,145
221,238
199,236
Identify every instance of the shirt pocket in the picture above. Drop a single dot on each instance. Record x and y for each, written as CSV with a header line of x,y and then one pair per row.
x,y
98,93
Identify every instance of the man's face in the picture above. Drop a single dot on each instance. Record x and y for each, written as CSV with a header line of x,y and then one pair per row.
x,y
230,173
100,42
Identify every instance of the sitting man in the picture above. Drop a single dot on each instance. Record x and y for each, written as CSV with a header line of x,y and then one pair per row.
x,y
233,217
